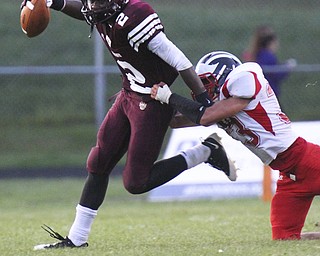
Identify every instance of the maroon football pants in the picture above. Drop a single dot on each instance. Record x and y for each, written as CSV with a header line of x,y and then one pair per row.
x,y
135,126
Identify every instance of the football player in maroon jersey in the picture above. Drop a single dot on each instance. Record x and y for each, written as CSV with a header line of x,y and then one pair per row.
x,y
136,124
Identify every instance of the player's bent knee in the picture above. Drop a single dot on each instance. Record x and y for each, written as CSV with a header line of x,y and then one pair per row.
x,y
134,188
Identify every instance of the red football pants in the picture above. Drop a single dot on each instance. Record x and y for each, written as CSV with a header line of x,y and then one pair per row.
x,y
292,199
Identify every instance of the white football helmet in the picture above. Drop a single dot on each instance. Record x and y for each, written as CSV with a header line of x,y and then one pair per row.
x,y
213,69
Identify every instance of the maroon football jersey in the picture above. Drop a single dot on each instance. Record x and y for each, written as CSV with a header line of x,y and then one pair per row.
x,y
127,41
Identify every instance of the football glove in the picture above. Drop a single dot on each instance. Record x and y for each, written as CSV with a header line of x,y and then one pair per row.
x,y
54,4
163,94
204,99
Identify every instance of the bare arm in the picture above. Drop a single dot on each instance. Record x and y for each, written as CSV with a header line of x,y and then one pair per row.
x,y
191,78
223,109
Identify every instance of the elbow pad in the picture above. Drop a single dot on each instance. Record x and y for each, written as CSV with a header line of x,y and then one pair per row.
x,y
191,109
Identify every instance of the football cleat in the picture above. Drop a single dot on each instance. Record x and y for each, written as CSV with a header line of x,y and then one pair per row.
x,y
219,158
64,241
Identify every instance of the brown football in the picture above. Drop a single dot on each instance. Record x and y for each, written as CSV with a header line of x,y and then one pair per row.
x,y
34,17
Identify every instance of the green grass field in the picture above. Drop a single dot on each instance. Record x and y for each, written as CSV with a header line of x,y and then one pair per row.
x,y
132,226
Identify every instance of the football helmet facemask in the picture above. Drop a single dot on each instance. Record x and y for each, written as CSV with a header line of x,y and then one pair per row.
x,y
100,11
213,69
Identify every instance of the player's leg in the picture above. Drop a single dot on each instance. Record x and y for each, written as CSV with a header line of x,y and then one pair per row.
x,y
166,169
112,141
210,151
141,172
312,164
288,214
293,198
148,128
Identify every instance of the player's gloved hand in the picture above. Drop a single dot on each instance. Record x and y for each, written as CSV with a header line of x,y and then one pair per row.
x,y
49,3
204,99
54,4
161,93
24,3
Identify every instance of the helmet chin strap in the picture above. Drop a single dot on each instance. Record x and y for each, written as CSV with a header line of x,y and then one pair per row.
x,y
91,30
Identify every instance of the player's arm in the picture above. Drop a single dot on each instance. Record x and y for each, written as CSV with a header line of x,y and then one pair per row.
x,y
193,81
71,8
195,111
223,109
170,53
181,121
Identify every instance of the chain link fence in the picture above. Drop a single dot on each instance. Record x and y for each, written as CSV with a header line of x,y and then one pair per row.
x,y
59,99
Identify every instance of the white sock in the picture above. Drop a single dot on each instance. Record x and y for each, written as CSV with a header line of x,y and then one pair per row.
x,y
196,155
80,229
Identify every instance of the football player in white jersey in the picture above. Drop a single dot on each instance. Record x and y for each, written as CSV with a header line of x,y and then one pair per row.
x,y
248,110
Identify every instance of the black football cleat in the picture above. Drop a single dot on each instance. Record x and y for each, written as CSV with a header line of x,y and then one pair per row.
x,y
65,242
219,158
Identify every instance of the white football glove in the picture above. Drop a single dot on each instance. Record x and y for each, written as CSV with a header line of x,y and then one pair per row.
x,y
163,94
49,3
25,2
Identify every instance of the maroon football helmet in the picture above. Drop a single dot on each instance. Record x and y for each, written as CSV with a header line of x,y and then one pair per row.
x,y
100,11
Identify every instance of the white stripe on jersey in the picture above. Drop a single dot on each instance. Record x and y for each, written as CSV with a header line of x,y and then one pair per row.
x,y
144,31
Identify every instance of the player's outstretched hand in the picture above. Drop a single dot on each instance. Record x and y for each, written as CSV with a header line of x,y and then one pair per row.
x,y
24,3
161,92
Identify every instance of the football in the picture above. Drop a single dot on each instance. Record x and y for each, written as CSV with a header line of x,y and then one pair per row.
x,y
34,17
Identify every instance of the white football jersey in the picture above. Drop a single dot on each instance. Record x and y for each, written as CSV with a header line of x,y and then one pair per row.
x,y
262,127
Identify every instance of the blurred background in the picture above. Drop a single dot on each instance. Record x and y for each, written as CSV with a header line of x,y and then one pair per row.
x,y
51,95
